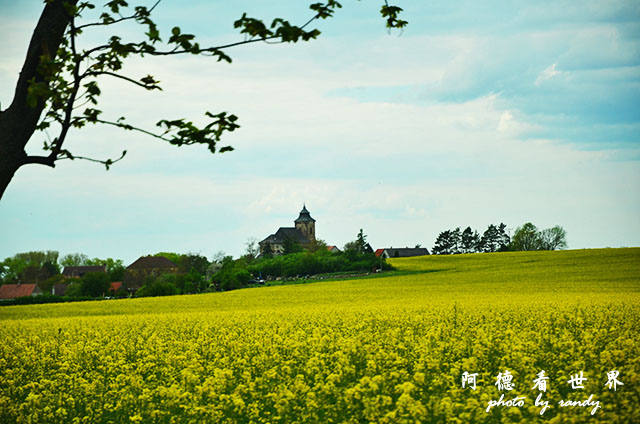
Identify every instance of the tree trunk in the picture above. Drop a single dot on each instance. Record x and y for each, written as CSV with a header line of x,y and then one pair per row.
x,y
19,120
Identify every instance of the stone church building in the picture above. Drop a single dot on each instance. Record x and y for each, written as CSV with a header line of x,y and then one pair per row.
x,y
303,233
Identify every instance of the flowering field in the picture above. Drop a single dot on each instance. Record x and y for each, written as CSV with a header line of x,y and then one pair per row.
x,y
384,349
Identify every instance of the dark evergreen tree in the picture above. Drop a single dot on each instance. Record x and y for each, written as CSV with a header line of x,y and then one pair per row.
x,y
469,241
490,241
448,242
503,238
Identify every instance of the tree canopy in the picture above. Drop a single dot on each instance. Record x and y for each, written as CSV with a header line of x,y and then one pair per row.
x,y
59,85
528,237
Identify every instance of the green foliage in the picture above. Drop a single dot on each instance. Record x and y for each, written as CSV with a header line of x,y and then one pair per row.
x,y
553,238
116,271
48,284
232,275
317,245
187,262
192,262
469,241
173,257
252,250
185,283
319,262
359,246
192,271
291,246
75,259
94,284
528,237
449,242
391,13
74,290
43,298
114,267
66,86
29,267
157,287
494,239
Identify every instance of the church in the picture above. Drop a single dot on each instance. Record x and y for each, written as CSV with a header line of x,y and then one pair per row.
x,y
303,233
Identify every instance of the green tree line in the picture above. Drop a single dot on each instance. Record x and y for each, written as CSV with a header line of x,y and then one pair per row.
x,y
496,239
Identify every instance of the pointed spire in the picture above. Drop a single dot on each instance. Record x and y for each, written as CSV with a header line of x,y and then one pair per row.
x,y
305,216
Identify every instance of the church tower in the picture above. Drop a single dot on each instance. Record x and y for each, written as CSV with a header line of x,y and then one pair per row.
x,y
306,225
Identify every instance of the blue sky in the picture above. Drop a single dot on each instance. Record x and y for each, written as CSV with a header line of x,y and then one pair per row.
x,y
476,113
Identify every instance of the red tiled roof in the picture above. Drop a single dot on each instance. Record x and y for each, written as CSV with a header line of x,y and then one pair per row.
x,y
378,252
11,291
115,286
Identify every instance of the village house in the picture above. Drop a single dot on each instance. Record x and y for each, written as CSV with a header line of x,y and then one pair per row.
x,y
303,233
12,291
147,266
401,252
59,289
79,271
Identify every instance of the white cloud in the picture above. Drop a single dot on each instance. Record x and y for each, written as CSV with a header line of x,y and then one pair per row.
x,y
401,170
547,74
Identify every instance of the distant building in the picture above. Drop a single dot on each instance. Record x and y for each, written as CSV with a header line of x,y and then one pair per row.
x,y
79,271
401,252
59,289
303,233
333,249
115,286
12,291
147,266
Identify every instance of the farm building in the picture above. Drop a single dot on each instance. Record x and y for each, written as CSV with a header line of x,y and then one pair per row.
x,y
401,252
79,271
147,266
12,291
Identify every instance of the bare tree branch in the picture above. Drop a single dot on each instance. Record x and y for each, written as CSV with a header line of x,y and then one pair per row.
x,y
40,160
106,162
56,148
132,128
131,80
124,18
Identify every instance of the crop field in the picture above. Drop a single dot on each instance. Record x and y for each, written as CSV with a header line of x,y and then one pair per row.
x,y
386,349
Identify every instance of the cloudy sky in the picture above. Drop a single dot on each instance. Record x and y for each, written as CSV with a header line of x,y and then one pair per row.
x,y
476,113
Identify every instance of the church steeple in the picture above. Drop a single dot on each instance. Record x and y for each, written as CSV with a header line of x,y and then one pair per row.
x,y
305,216
306,224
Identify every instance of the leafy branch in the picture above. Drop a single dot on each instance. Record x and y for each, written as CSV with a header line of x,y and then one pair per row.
x,y
70,78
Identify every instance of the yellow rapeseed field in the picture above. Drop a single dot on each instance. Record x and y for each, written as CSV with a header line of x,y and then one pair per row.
x,y
389,349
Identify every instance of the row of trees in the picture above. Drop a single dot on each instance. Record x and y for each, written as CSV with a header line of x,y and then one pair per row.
x,y
44,267
451,242
356,256
496,239
528,237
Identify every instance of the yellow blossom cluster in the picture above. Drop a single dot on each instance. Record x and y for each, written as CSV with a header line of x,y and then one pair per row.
x,y
378,350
